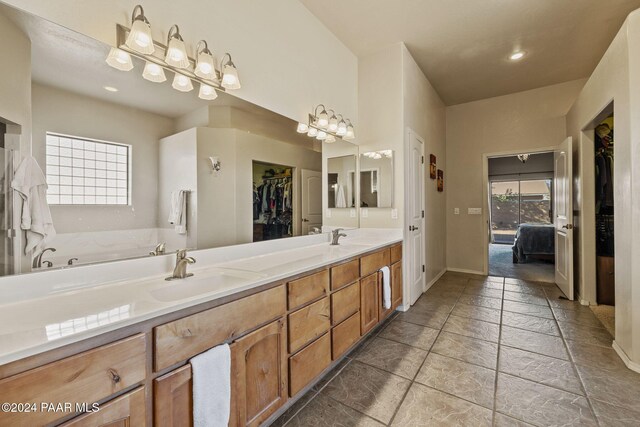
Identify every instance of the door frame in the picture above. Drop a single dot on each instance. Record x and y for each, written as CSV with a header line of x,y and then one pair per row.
x,y
486,205
406,284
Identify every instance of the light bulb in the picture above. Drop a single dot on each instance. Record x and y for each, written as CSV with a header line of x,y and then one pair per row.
x,y
154,73
119,59
302,128
230,78
177,54
205,68
333,124
350,133
207,92
322,135
323,120
139,38
182,83
313,132
330,139
342,128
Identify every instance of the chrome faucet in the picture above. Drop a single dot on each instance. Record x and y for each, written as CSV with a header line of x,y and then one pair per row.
x,y
37,261
336,235
180,270
159,250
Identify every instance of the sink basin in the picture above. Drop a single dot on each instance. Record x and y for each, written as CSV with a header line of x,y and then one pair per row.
x,y
204,282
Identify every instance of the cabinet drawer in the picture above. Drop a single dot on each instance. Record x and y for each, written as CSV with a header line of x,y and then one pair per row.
x,y
374,262
345,335
308,323
84,378
173,398
126,410
343,274
184,338
302,291
396,253
308,364
345,302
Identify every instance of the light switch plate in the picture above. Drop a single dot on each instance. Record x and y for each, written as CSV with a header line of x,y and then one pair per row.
x,y
456,211
475,211
364,212
327,213
394,213
352,213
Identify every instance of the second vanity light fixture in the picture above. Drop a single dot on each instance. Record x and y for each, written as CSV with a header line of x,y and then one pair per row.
x,y
326,125
138,42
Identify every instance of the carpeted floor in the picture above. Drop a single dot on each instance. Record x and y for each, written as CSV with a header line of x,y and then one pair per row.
x,y
501,264
607,315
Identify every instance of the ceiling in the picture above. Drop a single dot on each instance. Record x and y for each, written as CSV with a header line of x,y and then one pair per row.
x,y
463,46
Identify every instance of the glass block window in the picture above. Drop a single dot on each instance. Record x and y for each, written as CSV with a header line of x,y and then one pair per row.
x,y
83,171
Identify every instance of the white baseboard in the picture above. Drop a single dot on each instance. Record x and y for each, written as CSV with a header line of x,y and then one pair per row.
x,y
435,279
628,362
462,270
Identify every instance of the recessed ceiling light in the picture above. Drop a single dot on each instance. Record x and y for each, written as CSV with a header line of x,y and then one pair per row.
x,y
516,56
110,89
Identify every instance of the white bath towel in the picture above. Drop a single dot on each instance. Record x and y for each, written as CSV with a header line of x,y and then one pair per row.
x,y
178,211
212,387
341,200
386,287
29,182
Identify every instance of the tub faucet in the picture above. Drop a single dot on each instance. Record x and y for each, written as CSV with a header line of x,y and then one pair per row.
x,y
37,261
180,270
336,235
159,249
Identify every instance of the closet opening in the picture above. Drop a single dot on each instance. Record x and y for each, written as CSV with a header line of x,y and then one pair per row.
x,y
273,211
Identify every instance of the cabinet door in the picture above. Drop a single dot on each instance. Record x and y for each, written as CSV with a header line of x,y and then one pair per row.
x,y
396,285
369,303
126,411
384,312
259,377
173,399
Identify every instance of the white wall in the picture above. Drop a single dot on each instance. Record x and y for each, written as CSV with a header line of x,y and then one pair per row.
x,y
521,121
287,60
59,111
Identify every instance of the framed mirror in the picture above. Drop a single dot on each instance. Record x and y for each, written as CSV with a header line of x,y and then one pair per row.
x,y
376,179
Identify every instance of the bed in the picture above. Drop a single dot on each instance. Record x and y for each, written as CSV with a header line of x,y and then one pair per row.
x,y
533,240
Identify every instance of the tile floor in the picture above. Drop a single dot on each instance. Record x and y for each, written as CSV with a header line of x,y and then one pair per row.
x,y
479,352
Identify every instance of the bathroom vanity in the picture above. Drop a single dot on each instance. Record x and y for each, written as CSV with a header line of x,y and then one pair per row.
x,y
283,334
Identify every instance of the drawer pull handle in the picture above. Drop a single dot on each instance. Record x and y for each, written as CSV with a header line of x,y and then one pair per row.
x,y
114,376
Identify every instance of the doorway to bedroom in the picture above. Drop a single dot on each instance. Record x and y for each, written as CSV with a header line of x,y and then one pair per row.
x,y
521,243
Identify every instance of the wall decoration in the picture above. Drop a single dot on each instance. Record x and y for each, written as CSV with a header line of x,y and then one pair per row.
x,y
432,166
440,180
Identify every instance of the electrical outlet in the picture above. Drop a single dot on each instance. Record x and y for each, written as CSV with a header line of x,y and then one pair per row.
x,y
327,213
364,212
456,211
394,213
352,213
475,211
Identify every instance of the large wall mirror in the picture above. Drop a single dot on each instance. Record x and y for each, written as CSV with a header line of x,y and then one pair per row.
x,y
376,179
341,180
135,167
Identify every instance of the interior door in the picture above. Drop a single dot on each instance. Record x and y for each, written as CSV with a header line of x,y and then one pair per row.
x,y
311,200
563,215
415,227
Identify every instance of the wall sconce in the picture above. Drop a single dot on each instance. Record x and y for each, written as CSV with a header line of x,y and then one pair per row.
x,y
327,127
138,42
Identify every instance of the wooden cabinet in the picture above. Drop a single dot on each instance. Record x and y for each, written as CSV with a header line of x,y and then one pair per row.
x,y
308,363
307,289
345,302
396,285
173,399
127,410
368,303
344,274
384,312
87,377
373,262
308,323
396,253
345,335
259,378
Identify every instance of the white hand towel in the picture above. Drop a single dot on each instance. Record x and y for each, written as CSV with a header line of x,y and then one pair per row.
x,y
386,287
341,200
212,387
29,182
178,211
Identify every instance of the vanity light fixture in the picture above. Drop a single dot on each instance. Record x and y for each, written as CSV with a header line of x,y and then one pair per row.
x,y
182,83
325,125
332,126
312,132
119,59
351,134
302,128
140,38
176,55
342,127
376,155
322,135
523,157
153,72
229,72
322,119
204,67
207,92
330,139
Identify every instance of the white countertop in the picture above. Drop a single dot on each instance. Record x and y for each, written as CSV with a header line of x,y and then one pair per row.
x,y
52,309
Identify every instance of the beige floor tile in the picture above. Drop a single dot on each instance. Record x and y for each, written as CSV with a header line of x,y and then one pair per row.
x,y
483,291
542,369
326,379
369,390
530,323
534,342
432,319
481,301
411,334
526,298
614,416
533,290
565,304
530,309
485,284
583,316
619,387
586,334
501,420
324,411
394,357
476,312
425,406
294,409
467,349
554,293
470,382
595,355
472,328
541,405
